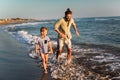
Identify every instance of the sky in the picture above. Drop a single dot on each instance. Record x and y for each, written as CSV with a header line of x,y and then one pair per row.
x,y
51,9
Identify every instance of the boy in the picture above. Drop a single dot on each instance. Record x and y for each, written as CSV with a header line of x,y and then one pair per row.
x,y
43,47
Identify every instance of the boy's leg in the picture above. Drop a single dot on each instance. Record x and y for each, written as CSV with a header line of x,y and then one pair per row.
x,y
46,58
43,62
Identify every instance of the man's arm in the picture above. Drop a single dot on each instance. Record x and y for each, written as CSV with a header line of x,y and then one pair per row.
x,y
56,26
75,29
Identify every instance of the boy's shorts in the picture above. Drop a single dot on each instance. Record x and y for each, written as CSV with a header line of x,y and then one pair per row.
x,y
40,51
61,43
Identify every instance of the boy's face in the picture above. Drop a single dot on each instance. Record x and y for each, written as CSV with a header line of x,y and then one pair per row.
x,y
44,32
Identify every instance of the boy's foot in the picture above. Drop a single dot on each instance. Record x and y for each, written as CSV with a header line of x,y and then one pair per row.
x,y
45,72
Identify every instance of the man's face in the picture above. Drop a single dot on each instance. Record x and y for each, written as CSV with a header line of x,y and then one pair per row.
x,y
68,17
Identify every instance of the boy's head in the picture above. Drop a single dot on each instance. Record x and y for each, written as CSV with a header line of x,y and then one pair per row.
x,y
43,30
68,14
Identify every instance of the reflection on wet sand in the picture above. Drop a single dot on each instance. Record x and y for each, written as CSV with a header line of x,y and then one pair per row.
x,y
44,77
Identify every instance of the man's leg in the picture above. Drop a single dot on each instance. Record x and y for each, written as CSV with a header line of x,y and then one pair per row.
x,y
58,54
69,49
59,47
69,55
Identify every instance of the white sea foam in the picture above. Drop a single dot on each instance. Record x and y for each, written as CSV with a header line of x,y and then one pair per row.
x,y
12,26
105,57
114,66
24,36
28,38
29,23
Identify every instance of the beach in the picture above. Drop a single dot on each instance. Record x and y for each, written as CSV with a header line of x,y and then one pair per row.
x,y
95,54
15,64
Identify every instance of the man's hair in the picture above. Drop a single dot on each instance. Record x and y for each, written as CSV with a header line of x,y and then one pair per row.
x,y
42,29
68,11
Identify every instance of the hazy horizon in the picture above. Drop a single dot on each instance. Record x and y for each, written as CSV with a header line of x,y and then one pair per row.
x,y
51,9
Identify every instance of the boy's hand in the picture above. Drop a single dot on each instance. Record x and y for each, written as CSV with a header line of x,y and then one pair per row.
x,y
50,52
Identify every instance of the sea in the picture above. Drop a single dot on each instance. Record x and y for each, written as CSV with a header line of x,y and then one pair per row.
x,y
95,53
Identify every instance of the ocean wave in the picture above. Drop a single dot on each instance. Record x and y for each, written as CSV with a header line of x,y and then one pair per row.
x,y
106,19
117,19
12,26
25,37
101,19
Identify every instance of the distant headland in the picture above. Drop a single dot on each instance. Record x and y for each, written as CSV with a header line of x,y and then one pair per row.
x,y
14,21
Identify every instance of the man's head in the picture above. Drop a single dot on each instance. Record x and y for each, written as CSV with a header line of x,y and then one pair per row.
x,y
68,14
43,31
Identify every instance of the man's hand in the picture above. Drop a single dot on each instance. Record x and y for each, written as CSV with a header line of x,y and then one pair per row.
x,y
62,35
77,33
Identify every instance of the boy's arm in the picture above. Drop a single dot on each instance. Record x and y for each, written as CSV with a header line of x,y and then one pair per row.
x,y
50,47
36,48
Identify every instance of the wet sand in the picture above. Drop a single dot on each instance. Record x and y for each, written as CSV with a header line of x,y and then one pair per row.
x,y
15,64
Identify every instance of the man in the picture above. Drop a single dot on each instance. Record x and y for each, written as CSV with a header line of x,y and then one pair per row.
x,y
62,27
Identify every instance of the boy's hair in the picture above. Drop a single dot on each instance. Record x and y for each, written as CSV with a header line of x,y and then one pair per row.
x,y
68,11
42,29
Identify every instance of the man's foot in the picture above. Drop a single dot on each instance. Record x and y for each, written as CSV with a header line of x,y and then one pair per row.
x,y
58,56
67,62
